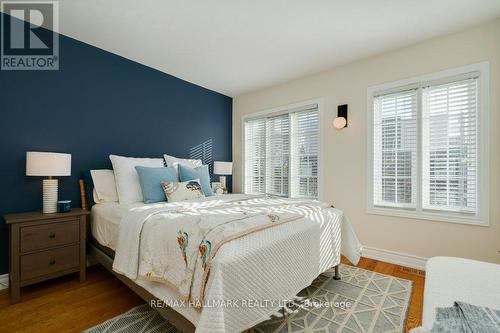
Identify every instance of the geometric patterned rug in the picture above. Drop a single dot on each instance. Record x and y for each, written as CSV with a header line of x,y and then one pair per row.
x,y
364,302
361,302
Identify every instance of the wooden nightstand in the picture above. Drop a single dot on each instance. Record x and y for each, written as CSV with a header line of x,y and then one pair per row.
x,y
45,246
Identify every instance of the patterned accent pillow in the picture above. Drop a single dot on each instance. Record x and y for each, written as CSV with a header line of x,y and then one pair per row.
x,y
175,191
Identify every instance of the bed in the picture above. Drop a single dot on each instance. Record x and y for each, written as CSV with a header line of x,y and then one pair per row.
x,y
272,263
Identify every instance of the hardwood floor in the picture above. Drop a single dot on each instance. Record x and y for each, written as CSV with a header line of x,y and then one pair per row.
x,y
65,305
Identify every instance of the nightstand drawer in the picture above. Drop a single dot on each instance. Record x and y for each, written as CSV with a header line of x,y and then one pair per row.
x,y
44,236
42,263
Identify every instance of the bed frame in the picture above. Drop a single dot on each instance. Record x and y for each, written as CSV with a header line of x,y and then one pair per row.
x,y
105,257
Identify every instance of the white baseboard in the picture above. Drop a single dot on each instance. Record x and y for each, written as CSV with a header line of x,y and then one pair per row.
x,y
393,257
4,281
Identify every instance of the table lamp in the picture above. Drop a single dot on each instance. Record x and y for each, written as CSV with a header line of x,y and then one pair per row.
x,y
224,169
48,165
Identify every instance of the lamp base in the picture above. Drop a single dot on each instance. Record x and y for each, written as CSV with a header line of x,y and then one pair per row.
x,y
222,180
50,187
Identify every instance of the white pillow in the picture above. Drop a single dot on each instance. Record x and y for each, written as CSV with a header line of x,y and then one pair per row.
x,y
175,191
174,161
104,186
127,180
96,197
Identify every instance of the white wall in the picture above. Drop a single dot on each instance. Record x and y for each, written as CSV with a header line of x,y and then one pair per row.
x,y
344,155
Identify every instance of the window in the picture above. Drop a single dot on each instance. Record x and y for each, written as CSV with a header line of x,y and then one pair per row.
x,y
255,156
427,160
277,155
449,146
395,149
281,152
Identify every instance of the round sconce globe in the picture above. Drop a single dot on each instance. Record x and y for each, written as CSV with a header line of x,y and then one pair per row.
x,y
339,122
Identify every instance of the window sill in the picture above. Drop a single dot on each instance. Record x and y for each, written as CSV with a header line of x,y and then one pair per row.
x,y
437,217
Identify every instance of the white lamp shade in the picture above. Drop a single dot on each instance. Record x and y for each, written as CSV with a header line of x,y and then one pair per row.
x,y
339,122
47,164
223,168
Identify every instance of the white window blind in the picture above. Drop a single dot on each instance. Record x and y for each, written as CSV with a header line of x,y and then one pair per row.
x,y
282,152
429,147
278,154
450,157
395,149
305,152
255,156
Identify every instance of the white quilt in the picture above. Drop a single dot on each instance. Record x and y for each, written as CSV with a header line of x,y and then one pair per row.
x,y
250,275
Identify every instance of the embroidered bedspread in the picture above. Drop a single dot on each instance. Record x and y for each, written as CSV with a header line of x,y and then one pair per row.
x,y
189,247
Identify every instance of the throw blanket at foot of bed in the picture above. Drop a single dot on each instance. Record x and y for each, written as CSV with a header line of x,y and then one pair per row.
x,y
242,248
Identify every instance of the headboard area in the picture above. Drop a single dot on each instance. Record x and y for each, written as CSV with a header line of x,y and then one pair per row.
x,y
98,104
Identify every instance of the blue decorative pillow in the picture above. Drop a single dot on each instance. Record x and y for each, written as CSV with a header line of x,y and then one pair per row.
x,y
187,173
150,180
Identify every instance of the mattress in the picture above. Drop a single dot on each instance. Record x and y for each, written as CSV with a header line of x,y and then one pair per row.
x,y
105,222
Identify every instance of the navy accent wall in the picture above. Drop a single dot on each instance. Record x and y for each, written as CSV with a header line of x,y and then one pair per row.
x,y
96,104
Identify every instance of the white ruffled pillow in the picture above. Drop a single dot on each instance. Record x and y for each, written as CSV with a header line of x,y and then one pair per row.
x,y
175,161
175,191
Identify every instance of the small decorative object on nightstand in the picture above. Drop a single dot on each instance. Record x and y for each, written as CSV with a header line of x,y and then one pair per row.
x,y
217,188
45,246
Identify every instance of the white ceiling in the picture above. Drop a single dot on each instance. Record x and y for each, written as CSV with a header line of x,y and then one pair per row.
x,y
236,46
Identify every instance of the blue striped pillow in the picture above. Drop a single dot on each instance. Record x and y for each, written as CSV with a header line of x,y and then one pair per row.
x,y
187,173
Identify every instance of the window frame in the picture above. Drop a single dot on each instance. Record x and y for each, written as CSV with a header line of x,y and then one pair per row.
x,y
483,147
286,109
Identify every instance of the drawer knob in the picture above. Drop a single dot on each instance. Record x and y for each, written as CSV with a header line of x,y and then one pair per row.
x,y
52,262
52,236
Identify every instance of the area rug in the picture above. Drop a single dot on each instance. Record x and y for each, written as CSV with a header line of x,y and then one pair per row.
x,y
361,302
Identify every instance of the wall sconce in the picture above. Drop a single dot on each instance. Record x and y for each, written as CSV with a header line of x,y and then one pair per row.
x,y
341,120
